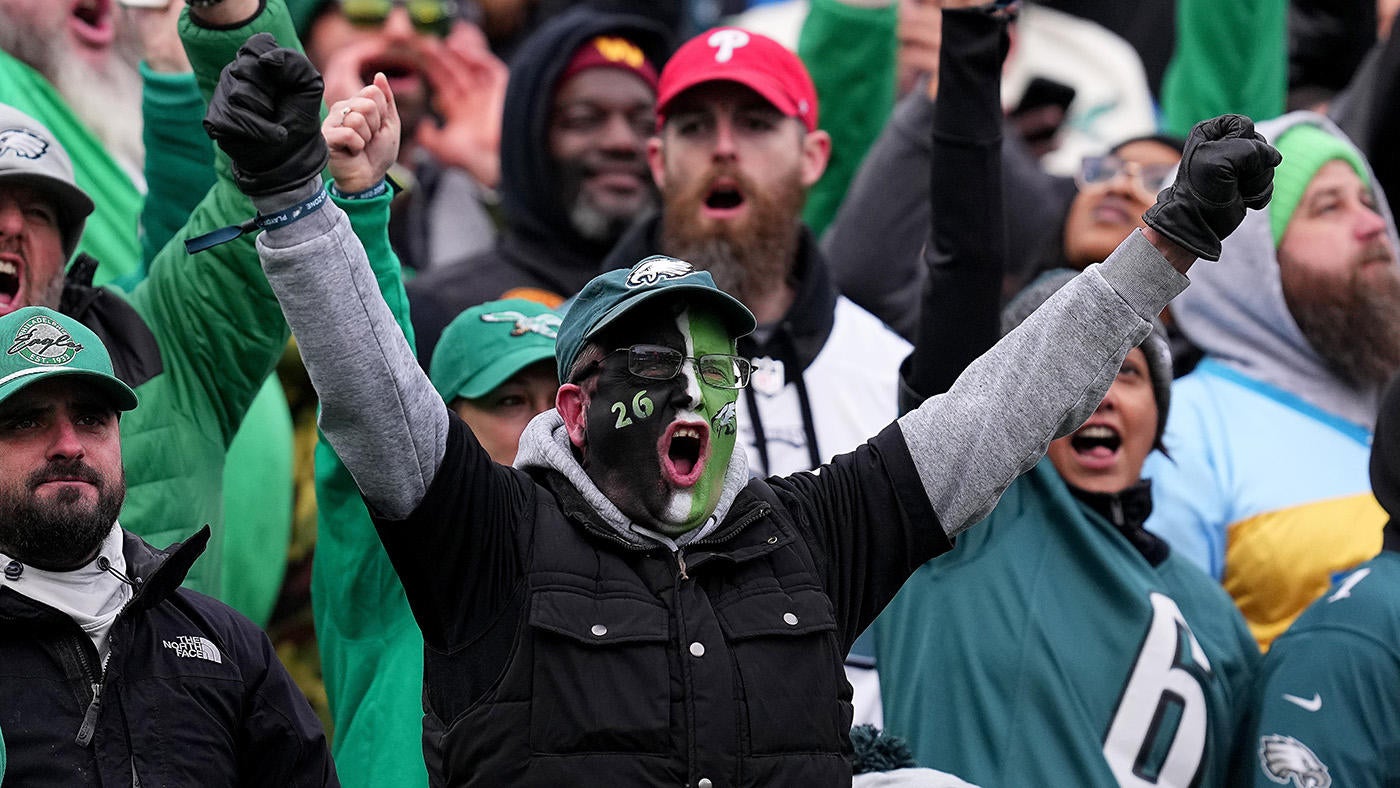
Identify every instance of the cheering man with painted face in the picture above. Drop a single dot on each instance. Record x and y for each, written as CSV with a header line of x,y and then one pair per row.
x,y
626,603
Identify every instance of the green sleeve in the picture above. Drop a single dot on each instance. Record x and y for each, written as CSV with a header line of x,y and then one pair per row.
x,y
1230,57
371,648
179,155
850,53
220,332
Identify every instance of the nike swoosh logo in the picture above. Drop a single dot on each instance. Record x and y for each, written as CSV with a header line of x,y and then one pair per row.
x,y
1306,704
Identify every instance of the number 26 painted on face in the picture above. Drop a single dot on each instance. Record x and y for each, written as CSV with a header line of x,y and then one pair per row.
x,y
642,407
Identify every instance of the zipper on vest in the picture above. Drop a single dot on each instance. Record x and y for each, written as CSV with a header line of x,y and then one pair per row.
x,y
680,563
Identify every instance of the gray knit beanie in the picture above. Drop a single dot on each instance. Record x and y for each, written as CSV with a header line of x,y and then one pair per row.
x,y
1155,347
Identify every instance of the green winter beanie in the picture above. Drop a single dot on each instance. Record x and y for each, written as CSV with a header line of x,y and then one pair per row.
x,y
1305,148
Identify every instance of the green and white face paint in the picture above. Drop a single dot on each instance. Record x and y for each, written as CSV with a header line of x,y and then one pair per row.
x,y
659,449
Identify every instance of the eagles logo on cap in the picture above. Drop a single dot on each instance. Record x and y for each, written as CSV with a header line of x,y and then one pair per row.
x,y
22,142
39,343
545,324
657,268
41,340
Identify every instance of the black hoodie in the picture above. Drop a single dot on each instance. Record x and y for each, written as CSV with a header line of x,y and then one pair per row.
x,y
539,249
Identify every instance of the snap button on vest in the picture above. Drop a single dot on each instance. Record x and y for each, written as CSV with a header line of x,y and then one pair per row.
x,y
790,619
13,570
599,630
697,649
704,783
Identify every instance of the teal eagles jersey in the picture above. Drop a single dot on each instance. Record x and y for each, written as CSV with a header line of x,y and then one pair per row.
x,y
1328,693
1044,649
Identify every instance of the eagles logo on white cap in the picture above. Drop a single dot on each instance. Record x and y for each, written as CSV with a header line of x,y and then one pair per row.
x,y
22,142
656,268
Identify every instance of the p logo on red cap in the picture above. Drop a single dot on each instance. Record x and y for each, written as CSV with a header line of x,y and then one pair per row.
x,y
725,42
728,54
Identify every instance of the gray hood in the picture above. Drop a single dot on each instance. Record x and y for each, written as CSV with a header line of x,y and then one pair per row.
x,y
545,444
1234,309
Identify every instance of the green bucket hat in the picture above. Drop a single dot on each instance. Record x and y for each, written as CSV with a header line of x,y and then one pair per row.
x,y
609,296
487,344
39,343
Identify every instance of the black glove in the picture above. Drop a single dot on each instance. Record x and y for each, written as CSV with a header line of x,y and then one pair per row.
x,y
1226,167
265,114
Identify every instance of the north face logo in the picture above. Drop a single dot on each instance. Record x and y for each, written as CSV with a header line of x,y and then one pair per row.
x,y
194,647
725,42
546,325
654,269
23,143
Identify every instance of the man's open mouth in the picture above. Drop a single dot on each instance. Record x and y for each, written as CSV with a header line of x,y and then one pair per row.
x,y
1096,441
684,449
724,196
91,23
397,70
9,282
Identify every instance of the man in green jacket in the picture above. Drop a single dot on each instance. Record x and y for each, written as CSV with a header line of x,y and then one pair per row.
x,y
198,335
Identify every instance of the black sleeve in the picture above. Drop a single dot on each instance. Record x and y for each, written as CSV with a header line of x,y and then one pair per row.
x,y
456,554
965,252
869,524
282,741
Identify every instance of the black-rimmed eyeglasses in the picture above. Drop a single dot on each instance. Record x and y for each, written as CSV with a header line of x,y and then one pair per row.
x,y
657,362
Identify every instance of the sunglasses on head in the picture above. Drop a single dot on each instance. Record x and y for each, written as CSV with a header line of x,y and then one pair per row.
x,y
434,17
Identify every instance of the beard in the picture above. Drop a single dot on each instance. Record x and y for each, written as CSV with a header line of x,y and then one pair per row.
x,y
107,99
1352,318
746,259
58,533
594,222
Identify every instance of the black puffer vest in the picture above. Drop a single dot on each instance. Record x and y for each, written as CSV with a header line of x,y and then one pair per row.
x,y
716,667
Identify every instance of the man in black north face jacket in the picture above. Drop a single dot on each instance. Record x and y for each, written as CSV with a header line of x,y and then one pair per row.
x,y
110,673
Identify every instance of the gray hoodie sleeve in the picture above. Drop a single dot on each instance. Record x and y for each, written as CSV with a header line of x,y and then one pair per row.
x,y
1041,381
378,409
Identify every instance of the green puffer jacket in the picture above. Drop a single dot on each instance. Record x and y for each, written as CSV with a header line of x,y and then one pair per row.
x,y
371,648
219,332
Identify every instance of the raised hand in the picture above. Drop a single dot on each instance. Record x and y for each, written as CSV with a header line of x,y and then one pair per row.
x,y
469,94
362,133
1226,168
265,114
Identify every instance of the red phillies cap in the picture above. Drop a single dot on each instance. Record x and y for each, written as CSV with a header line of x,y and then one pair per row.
x,y
755,61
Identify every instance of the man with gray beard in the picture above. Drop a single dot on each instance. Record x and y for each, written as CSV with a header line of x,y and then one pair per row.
x,y
737,149
1266,486
579,108
71,64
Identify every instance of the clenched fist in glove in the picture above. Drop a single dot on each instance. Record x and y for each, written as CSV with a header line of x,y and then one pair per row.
x,y
265,114
1226,168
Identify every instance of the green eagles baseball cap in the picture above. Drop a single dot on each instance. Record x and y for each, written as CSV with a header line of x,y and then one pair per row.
x,y
40,343
609,296
487,344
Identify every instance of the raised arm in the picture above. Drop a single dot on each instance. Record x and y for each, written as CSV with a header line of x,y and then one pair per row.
x,y
965,254
378,409
1045,378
